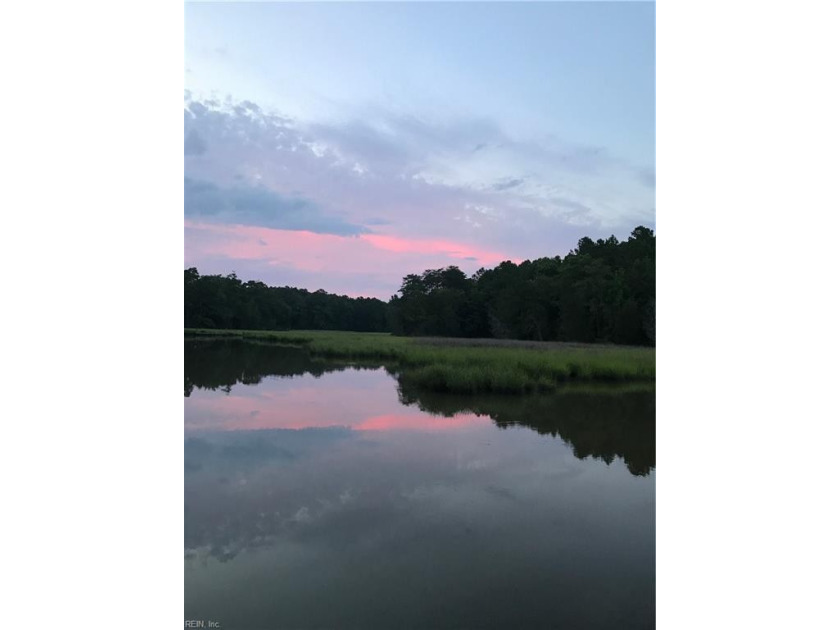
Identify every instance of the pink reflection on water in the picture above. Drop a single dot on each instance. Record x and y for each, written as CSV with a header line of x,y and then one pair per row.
x,y
419,422
374,407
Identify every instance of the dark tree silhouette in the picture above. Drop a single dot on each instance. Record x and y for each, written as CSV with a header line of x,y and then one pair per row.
x,y
602,291
227,302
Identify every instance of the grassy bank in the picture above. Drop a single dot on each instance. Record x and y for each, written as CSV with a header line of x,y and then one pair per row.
x,y
470,366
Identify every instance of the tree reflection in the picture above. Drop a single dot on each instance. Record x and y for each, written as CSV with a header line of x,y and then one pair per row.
x,y
222,363
602,422
599,422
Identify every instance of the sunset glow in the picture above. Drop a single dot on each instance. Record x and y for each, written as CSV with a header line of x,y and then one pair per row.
x,y
355,166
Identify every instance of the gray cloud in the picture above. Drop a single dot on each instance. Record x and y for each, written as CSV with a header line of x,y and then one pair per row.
x,y
197,108
648,177
508,184
574,206
194,144
261,207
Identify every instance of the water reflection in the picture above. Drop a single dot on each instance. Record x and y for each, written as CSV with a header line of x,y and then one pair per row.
x,y
603,422
222,363
600,422
336,499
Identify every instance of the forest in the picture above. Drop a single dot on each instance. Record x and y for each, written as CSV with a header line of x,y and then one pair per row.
x,y
226,302
603,291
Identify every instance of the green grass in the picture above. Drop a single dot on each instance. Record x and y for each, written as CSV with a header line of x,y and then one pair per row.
x,y
476,366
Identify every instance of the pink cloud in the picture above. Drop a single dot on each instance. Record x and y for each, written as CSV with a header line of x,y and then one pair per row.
x,y
433,246
386,257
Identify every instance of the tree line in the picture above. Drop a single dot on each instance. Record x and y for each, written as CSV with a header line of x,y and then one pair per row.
x,y
226,302
602,291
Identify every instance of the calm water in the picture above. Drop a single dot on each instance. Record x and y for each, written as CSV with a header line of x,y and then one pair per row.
x,y
325,496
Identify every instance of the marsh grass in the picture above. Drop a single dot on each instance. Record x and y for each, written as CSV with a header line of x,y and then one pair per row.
x,y
482,366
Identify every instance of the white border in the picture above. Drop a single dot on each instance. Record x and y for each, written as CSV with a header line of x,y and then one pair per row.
x,y
747,202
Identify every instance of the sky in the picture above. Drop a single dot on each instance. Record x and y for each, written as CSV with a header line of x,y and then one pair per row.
x,y
342,146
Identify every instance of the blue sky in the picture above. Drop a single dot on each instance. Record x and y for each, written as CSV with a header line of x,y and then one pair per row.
x,y
455,133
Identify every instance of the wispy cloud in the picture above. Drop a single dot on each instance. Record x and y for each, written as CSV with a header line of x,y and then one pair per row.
x,y
513,182
433,188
